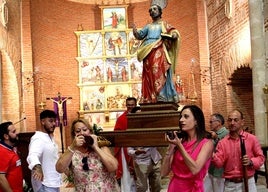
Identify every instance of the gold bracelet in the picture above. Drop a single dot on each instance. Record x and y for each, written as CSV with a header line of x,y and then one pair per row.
x,y
69,148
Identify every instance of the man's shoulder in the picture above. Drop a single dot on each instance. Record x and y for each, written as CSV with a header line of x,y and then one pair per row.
x,y
222,131
36,134
225,139
39,136
124,114
250,135
3,148
121,122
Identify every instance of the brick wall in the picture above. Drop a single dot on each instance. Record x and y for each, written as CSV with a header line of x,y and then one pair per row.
x,y
48,30
229,43
55,47
10,49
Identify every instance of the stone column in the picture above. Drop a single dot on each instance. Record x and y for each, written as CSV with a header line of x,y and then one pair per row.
x,y
259,68
204,59
27,66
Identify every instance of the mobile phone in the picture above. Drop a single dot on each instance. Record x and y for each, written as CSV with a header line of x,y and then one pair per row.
x,y
170,135
88,141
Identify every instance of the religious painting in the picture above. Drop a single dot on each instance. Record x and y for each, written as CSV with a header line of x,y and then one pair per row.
x,y
109,71
135,69
90,44
93,98
95,118
117,70
114,115
133,44
116,43
116,96
92,71
136,91
114,17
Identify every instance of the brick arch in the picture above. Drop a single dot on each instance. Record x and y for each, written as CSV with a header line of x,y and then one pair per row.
x,y
10,90
241,94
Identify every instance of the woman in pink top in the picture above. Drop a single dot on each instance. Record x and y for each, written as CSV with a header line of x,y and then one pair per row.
x,y
189,152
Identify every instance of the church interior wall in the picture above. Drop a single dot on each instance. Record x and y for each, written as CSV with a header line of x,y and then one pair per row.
x,y
55,46
10,50
54,49
229,42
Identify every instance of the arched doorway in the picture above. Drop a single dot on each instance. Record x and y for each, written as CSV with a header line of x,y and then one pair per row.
x,y
241,95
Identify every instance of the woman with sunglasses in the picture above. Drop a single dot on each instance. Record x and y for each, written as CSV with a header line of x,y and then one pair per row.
x,y
92,167
189,152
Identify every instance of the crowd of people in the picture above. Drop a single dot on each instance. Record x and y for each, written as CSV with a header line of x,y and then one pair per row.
x,y
199,160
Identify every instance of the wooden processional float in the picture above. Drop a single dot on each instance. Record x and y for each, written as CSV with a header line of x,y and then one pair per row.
x,y
147,127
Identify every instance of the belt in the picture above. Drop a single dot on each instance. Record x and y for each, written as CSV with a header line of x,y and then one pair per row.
x,y
236,180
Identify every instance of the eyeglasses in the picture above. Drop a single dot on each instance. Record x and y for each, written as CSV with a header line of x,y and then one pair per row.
x,y
85,164
213,121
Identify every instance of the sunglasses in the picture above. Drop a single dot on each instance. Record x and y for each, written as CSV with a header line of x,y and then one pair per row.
x,y
85,164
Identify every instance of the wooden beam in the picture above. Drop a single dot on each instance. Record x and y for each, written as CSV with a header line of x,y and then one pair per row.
x,y
138,137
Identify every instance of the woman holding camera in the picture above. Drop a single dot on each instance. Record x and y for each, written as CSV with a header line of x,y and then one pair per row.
x,y
189,152
91,167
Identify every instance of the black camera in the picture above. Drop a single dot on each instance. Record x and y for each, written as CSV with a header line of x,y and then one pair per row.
x,y
88,141
172,136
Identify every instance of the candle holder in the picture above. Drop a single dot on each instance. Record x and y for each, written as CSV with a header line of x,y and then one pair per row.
x,y
42,105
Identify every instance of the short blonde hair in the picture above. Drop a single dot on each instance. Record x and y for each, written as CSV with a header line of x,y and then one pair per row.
x,y
84,121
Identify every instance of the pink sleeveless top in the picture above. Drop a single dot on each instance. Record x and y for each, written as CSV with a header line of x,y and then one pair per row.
x,y
183,179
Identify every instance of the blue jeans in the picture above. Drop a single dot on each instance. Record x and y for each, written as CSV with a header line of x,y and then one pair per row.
x,y
48,189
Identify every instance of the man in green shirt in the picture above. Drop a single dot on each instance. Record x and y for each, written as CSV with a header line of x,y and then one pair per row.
x,y
214,181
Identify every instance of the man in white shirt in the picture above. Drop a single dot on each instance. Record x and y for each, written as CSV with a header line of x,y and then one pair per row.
x,y
147,166
43,155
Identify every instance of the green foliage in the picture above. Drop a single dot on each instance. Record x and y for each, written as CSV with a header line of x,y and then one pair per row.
x,y
96,129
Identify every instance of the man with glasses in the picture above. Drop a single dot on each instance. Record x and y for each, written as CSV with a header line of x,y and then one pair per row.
x,y
125,171
238,169
214,181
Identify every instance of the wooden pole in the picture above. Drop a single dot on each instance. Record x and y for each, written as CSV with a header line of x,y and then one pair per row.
x,y
245,172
